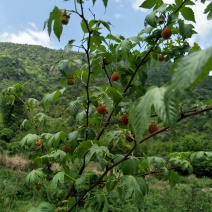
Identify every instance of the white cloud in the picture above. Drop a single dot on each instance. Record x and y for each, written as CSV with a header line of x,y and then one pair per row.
x,y
136,4
117,15
28,36
202,26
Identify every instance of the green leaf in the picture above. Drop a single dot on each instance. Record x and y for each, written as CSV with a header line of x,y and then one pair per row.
x,y
208,10
114,38
188,71
35,176
84,26
99,151
41,118
43,207
19,88
74,108
188,14
105,24
156,161
82,149
69,46
32,103
148,4
46,135
57,26
173,178
197,156
29,139
52,98
56,182
114,94
151,18
94,1
55,139
140,113
181,163
24,125
124,45
129,167
80,116
186,30
54,155
73,136
195,47
115,137
130,186
105,3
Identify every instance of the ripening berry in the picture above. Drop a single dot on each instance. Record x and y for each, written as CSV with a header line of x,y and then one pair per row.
x,y
71,81
38,186
153,128
64,18
124,119
162,19
66,148
161,57
38,143
166,33
101,109
100,187
129,136
115,76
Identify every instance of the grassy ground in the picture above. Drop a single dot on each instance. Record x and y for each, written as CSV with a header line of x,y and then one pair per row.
x,y
191,195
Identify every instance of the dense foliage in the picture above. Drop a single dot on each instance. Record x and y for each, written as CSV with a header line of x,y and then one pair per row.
x,y
117,110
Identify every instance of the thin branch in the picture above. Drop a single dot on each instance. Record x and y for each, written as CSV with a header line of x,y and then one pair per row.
x,y
88,97
104,67
182,116
89,66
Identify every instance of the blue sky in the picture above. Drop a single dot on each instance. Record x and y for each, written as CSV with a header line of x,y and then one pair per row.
x,y
22,21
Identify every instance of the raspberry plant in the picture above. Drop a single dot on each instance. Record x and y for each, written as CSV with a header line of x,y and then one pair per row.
x,y
74,188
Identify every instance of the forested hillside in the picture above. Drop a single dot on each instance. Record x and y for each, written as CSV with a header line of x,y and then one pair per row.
x,y
33,67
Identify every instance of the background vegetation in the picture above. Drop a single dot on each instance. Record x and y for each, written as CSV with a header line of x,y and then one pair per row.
x,y
32,66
